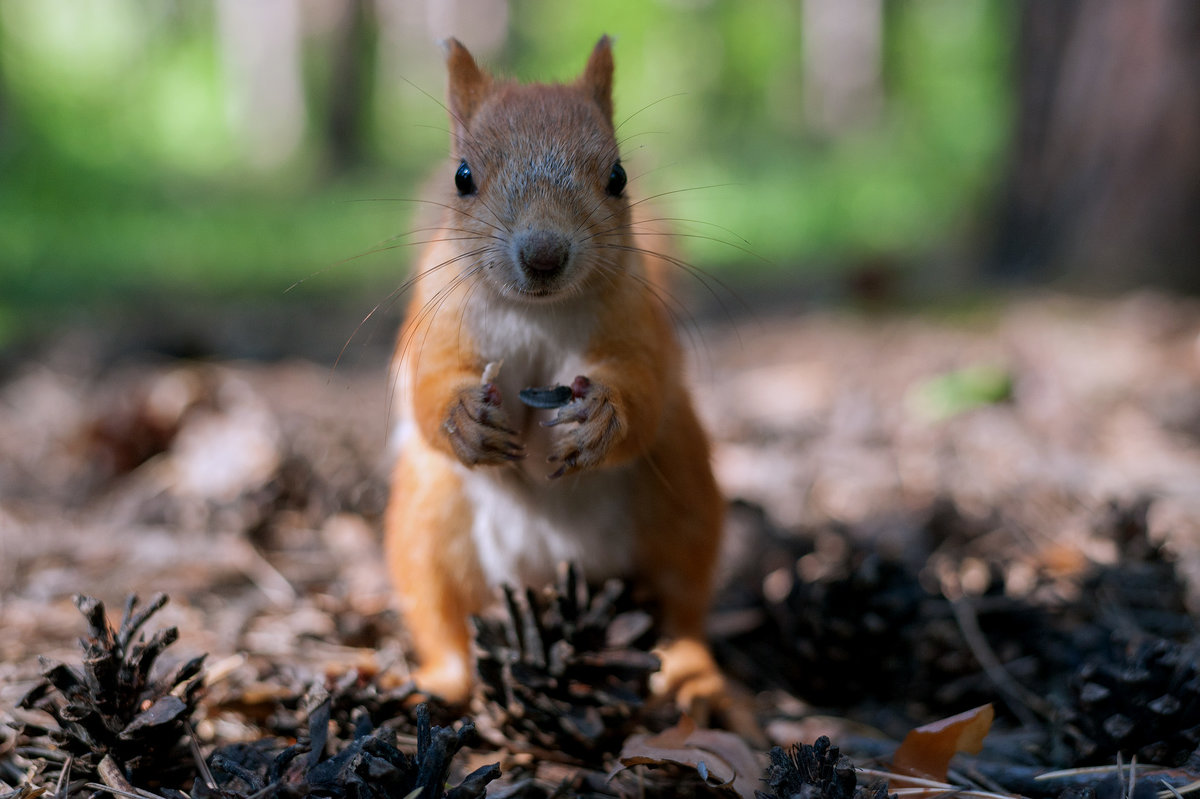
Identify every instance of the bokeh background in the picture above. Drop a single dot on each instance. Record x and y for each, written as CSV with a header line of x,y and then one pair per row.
x,y
168,161
965,406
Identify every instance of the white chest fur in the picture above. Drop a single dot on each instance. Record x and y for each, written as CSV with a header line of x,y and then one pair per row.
x,y
524,523
524,528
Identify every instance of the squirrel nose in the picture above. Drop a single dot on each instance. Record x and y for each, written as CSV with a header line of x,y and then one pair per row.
x,y
543,251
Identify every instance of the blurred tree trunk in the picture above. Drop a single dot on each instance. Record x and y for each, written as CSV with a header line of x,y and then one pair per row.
x,y
260,48
349,87
1105,180
843,64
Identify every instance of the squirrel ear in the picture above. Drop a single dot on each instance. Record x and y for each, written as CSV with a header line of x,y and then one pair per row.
x,y
468,83
597,76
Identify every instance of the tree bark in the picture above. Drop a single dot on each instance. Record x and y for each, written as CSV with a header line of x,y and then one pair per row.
x,y
1105,181
349,88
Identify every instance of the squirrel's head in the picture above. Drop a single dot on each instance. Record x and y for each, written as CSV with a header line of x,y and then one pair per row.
x,y
539,190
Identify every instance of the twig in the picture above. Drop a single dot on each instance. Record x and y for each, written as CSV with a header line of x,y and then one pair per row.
x,y
201,766
889,776
912,793
263,574
1019,699
983,781
115,782
99,786
1172,791
64,778
111,774
1086,771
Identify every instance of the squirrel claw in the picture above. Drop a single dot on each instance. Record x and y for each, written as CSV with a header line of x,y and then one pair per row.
x,y
567,464
566,415
478,430
596,427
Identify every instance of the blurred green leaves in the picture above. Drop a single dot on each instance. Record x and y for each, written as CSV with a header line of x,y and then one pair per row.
x,y
958,391
121,168
116,86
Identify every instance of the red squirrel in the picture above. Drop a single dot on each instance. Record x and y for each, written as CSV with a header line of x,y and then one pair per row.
x,y
537,278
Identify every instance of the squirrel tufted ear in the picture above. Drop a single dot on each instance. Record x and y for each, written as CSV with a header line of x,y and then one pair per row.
x,y
597,76
468,83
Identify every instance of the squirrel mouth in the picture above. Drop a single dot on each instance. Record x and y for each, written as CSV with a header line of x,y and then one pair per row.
x,y
536,292
540,285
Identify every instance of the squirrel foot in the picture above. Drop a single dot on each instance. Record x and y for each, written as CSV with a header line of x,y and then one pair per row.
x,y
692,677
448,680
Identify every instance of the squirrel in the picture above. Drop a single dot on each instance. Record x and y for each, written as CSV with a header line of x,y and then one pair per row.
x,y
537,278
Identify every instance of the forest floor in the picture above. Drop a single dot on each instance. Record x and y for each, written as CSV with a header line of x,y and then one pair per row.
x,y
929,512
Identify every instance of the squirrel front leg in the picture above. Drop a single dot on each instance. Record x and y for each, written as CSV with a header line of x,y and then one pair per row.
x,y
459,411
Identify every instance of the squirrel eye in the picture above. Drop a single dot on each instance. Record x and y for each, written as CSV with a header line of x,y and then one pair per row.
x,y
463,181
616,181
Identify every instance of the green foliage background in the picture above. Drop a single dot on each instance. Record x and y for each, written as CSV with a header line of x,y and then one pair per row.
x,y
122,181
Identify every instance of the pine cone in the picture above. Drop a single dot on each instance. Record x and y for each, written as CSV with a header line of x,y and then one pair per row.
x,y
351,696
850,630
1145,704
1142,585
112,707
566,670
368,767
814,772
867,627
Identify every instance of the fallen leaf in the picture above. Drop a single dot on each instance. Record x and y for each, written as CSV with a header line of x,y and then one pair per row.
x,y
673,737
952,393
926,750
721,758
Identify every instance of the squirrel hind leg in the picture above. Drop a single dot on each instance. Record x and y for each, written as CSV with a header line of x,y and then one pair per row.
x,y
437,577
691,677
437,623
449,680
688,674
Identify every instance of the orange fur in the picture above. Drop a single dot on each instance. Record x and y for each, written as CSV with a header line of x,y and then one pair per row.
x,y
539,271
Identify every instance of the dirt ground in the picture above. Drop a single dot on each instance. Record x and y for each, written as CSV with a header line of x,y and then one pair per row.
x,y
887,471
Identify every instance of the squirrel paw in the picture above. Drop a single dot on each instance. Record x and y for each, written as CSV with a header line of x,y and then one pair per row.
x,y
692,677
596,427
449,681
478,429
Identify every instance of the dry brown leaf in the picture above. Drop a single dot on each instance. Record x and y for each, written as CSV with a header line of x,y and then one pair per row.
x,y
721,758
671,738
926,750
